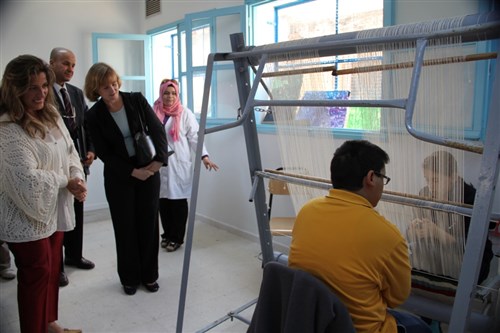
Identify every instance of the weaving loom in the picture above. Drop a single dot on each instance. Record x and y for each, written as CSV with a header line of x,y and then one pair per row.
x,y
416,80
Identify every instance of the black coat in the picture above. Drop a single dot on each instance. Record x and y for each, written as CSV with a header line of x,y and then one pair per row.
x,y
108,139
80,135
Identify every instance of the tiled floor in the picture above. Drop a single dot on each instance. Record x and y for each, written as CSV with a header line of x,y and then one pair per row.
x,y
225,273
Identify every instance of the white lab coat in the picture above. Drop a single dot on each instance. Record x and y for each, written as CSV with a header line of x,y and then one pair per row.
x,y
177,177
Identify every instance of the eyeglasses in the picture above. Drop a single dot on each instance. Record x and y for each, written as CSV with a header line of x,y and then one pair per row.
x,y
386,179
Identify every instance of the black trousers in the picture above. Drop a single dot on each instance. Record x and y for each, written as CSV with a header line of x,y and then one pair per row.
x,y
174,214
133,205
73,240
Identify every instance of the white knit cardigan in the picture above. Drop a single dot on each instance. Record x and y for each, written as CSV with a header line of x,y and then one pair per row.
x,y
34,201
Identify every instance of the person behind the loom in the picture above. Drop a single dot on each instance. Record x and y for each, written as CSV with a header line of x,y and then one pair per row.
x,y
444,184
181,128
342,240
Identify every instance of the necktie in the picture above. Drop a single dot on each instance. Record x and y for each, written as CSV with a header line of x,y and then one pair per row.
x,y
68,115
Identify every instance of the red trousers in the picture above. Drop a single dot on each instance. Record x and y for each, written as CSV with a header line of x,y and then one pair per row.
x,y
38,268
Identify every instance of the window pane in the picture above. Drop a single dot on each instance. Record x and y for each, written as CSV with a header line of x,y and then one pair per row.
x,y
164,60
301,20
183,50
201,45
226,25
133,85
360,15
125,56
198,84
309,19
183,95
178,57
227,104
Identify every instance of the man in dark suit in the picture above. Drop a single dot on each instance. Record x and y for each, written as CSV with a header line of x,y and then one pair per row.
x,y
72,107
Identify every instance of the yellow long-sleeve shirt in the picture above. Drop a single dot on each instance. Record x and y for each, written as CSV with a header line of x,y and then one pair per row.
x,y
343,241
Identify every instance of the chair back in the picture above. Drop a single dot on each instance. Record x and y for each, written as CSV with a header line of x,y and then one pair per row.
x,y
278,187
293,301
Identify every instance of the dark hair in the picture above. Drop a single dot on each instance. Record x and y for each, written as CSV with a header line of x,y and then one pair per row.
x,y
352,161
16,81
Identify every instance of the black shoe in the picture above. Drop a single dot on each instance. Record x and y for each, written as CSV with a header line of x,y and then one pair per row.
x,y
81,263
152,287
63,280
129,290
172,246
164,243
8,274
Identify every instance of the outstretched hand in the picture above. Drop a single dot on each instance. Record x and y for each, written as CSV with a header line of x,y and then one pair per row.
x,y
425,228
209,165
420,228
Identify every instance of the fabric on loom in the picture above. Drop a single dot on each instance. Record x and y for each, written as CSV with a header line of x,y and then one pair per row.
x,y
433,283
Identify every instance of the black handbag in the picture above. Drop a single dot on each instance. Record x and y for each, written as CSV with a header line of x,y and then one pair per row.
x,y
144,148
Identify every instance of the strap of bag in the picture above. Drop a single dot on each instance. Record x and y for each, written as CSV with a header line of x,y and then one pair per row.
x,y
144,128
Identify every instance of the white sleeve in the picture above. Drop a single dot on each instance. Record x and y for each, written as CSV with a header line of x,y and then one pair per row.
x,y
33,189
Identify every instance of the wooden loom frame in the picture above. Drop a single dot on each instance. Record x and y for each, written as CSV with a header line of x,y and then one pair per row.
x,y
474,28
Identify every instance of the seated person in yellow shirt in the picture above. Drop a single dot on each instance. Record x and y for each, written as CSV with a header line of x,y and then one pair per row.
x,y
359,254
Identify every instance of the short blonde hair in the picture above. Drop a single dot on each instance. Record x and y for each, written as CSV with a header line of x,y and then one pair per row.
x,y
442,162
98,75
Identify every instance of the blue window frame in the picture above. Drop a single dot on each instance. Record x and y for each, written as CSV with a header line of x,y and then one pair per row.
x,y
196,36
166,47
129,55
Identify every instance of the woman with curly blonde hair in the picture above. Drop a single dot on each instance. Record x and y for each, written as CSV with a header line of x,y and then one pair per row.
x,y
40,172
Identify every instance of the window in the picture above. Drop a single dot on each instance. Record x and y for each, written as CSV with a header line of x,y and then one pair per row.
x,y
165,46
286,20
180,51
130,57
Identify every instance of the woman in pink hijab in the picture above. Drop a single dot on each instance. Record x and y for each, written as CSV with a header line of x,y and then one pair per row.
x,y
176,179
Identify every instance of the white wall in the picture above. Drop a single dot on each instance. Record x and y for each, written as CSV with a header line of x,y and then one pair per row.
x,y
37,26
174,10
224,195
